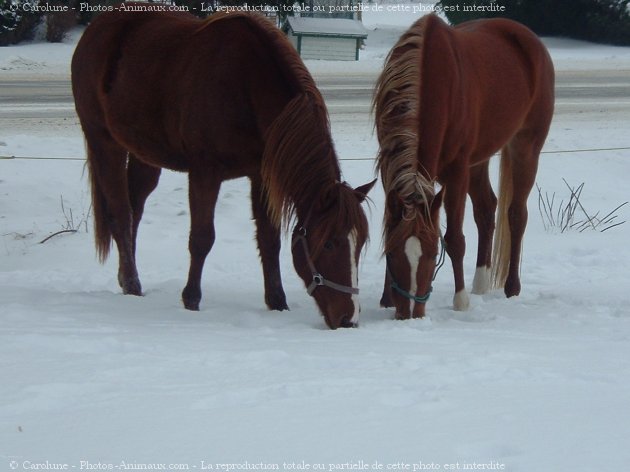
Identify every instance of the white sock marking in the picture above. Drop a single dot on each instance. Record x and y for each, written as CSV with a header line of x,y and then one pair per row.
x,y
481,282
461,302
413,251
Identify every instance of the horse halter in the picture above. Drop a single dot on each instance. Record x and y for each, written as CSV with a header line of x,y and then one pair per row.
x,y
318,279
401,291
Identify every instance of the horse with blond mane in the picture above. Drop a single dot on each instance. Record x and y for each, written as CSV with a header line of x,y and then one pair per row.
x,y
219,99
447,100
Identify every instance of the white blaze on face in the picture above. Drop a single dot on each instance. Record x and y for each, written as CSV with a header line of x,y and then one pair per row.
x,y
413,251
352,242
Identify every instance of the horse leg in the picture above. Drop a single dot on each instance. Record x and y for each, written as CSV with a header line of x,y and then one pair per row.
x,y
142,180
110,202
203,194
484,204
268,238
386,298
523,152
454,205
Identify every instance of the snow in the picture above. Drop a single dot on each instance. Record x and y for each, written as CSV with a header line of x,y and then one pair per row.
x,y
536,383
39,58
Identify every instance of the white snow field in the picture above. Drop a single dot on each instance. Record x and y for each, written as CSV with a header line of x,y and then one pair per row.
x,y
94,380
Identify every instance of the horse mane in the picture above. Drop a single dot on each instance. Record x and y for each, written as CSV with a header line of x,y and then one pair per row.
x,y
299,164
293,170
396,107
300,172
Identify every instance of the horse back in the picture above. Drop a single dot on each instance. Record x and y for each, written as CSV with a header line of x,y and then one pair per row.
x,y
488,79
173,89
96,61
505,52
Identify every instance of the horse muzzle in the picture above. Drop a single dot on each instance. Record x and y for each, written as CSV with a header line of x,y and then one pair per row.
x,y
343,322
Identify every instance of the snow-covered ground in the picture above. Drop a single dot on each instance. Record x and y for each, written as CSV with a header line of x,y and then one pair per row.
x,y
536,383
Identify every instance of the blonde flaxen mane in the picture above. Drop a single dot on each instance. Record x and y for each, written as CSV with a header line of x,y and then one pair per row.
x,y
396,108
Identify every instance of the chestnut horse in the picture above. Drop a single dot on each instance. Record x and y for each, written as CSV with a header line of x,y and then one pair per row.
x,y
447,100
222,98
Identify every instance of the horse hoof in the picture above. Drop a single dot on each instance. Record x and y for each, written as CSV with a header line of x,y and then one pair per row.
x,y
461,302
129,285
277,301
132,288
191,299
192,306
512,288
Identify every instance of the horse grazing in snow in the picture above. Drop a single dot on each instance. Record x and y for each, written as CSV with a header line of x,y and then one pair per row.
x,y
219,99
447,100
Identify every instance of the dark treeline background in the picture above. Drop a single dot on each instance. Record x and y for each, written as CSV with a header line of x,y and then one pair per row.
x,y
604,21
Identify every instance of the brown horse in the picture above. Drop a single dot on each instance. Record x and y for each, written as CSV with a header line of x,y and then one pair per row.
x,y
222,98
446,101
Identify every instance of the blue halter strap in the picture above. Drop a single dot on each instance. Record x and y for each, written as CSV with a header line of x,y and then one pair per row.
x,y
417,298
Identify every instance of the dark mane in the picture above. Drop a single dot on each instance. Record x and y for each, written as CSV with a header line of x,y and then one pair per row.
x,y
299,162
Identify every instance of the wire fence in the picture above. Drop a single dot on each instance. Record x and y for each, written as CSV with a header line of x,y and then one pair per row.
x,y
564,151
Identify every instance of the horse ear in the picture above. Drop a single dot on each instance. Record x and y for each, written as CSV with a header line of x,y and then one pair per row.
x,y
362,191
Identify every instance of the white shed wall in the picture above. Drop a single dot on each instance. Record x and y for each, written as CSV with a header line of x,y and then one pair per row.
x,y
328,48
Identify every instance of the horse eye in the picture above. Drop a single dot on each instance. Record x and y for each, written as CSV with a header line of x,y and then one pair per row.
x,y
328,245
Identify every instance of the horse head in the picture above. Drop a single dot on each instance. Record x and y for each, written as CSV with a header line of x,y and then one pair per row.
x,y
412,239
327,244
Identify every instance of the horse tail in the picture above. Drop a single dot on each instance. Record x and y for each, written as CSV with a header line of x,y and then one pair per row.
x,y
502,237
102,230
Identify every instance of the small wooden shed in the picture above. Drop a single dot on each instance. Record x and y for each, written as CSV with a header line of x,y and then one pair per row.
x,y
336,39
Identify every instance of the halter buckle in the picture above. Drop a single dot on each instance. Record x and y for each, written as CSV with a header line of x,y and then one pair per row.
x,y
318,279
